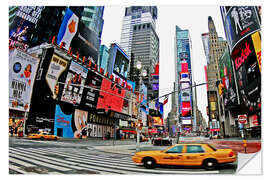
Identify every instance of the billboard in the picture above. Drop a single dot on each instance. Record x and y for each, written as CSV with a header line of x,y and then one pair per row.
x,y
158,121
127,103
186,121
86,42
111,96
90,96
22,73
62,123
75,81
80,121
132,84
240,22
186,109
248,74
21,29
185,95
228,80
56,68
121,63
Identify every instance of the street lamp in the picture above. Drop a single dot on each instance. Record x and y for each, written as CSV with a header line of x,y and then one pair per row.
x,y
141,73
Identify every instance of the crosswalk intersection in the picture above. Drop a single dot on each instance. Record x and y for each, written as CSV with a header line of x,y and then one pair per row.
x,y
60,160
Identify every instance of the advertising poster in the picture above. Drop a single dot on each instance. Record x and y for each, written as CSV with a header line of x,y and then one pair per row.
x,y
22,73
256,38
80,121
94,131
185,95
227,79
134,106
111,97
75,81
240,22
90,96
56,68
21,29
62,124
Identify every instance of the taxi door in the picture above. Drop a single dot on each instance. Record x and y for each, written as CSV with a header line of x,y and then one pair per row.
x,y
173,156
194,155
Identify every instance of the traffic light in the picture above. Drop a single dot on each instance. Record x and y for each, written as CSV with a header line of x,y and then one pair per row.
x,y
56,89
220,89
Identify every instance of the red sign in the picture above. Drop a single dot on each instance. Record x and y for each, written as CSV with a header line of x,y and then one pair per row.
x,y
186,109
242,119
111,97
244,55
184,67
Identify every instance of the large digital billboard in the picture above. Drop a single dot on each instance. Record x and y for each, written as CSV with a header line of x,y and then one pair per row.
x,y
111,96
248,74
121,63
186,109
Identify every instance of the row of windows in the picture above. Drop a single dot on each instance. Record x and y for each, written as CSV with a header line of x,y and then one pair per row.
x,y
138,27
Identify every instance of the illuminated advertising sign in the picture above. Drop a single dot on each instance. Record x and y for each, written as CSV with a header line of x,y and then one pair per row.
x,y
90,96
155,87
111,96
22,73
186,121
248,74
158,121
23,24
121,64
184,67
228,80
256,38
185,85
240,22
186,109
80,121
185,95
75,81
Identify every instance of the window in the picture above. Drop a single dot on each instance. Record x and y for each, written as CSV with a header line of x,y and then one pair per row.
x,y
194,149
176,149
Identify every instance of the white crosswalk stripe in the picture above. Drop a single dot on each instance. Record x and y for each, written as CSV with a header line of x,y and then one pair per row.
x,y
73,161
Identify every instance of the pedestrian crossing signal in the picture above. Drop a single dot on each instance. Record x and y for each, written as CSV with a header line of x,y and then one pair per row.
x,y
220,89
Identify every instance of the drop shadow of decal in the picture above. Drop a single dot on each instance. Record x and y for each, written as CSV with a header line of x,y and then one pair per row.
x,y
249,164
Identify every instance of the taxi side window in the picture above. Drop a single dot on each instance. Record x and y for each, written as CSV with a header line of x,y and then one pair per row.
x,y
194,149
176,149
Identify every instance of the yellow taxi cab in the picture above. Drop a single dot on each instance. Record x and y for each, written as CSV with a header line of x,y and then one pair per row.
x,y
200,154
43,136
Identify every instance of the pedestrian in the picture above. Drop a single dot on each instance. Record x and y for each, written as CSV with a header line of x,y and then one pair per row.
x,y
11,131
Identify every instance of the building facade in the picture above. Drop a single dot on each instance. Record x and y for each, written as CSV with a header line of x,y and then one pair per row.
x,y
183,78
103,57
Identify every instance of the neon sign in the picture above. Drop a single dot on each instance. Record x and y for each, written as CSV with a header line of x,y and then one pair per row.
x,y
244,55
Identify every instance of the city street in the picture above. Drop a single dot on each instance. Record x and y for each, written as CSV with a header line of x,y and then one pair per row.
x,y
92,156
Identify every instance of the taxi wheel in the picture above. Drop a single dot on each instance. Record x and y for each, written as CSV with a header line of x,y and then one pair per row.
x,y
55,138
149,163
210,164
42,138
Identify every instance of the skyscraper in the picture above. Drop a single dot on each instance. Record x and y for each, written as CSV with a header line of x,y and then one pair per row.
x,y
216,47
183,78
136,15
140,38
103,57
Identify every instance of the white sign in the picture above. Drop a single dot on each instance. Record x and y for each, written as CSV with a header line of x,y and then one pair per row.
x,y
22,73
185,122
56,68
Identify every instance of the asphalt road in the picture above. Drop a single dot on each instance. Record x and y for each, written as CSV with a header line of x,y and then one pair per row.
x,y
89,157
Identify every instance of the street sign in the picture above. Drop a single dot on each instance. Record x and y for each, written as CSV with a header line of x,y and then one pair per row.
x,y
242,119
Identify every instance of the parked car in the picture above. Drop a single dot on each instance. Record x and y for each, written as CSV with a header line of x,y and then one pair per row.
x,y
162,142
42,136
187,154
